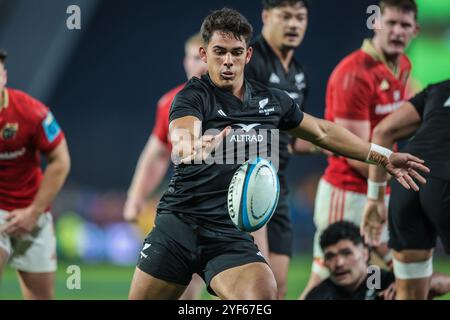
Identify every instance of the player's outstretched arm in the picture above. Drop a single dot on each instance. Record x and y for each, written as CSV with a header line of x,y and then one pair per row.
x,y
398,125
339,140
22,221
150,170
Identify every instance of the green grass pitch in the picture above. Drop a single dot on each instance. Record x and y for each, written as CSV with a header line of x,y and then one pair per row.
x,y
104,281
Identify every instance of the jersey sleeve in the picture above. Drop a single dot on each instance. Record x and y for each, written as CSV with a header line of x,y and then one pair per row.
x,y
349,95
187,102
291,115
48,133
161,127
418,101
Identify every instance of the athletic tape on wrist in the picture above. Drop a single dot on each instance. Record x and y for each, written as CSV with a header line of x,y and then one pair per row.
x,y
375,188
378,155
413,270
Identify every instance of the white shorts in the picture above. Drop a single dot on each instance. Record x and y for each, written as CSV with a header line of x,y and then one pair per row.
x,y
35,252
333,204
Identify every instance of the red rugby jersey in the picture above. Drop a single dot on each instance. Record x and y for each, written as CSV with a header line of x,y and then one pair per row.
x,y
362,87
27,128
161,127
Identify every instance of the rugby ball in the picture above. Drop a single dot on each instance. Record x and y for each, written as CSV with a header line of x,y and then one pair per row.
x,y
253,194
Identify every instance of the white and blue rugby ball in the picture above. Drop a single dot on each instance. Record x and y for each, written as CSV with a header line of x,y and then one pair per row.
x,y
253,194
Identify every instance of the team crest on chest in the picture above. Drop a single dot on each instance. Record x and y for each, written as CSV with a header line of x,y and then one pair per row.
x,y
9,131
274,78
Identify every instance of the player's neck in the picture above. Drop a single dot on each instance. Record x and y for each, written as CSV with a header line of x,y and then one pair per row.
x,y
284,54
356,285
239,90
391,60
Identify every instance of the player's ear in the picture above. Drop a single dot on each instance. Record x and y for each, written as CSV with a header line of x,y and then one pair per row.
x,y
264,16
416,29
249,55
202,52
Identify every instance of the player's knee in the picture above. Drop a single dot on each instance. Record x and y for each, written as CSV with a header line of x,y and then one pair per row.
x,y
413,270
262,290
41,294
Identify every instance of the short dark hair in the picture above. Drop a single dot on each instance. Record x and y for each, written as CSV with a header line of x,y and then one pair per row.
x,y
403,5
3,55
342,230
270,4
228,21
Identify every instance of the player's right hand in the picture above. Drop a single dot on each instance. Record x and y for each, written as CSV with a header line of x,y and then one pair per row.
x,y
205,147
131,210
374,219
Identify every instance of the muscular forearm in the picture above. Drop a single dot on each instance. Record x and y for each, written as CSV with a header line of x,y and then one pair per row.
x,y
340,141
54,176
300,146
185,134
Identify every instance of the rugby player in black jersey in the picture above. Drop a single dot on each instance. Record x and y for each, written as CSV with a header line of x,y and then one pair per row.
x,y
193,231
273,64
415,219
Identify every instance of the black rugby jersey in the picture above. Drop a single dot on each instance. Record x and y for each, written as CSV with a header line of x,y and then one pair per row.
x,y
328,290
200,190
431,141
266,68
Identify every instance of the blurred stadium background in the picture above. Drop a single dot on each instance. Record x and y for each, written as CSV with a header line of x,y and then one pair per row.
x,y
103,81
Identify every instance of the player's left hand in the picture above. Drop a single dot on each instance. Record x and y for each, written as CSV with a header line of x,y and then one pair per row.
x,y
20,222
374,219
403,166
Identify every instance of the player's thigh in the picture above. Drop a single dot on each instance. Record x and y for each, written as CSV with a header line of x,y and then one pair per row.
x,y
5,246
3,261
279,231
146,287
35,253
166,261
325,197
435,200
409,226
279,264
252,281
37,286
234,268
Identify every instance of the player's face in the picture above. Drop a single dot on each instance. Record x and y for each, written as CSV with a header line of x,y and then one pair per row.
x,y
395,30
193,64
285,26
3,77
347,263
226,58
